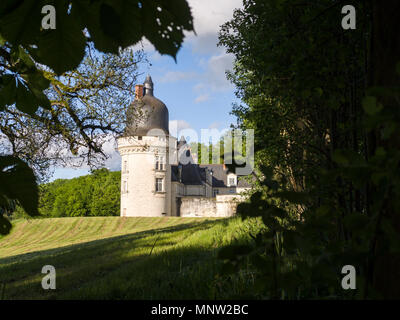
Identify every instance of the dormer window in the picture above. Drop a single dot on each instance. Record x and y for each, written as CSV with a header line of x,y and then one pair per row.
x,y
160,163
232,180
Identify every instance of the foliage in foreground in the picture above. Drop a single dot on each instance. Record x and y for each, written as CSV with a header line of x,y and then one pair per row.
x,y
324,104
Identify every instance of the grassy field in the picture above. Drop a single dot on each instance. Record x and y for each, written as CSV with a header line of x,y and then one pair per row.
x,y
120,258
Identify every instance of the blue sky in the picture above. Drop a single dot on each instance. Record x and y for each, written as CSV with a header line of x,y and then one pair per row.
x,y
195,89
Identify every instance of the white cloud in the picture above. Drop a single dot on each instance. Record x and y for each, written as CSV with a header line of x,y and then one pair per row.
x,y
113,163
202,98
208,16
214,76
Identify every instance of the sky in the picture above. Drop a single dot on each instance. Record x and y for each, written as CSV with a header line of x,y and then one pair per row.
x,y
195,88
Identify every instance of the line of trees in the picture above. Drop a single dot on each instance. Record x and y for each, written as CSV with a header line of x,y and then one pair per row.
x,y
97,194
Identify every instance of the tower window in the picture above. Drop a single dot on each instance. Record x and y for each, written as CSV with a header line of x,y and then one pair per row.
x,y
157,163
125,168
160,164
159,185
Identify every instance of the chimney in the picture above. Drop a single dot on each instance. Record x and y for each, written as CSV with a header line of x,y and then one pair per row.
x,y
180,173
138,91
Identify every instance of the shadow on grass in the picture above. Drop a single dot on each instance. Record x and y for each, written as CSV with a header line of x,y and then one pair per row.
x,y
132,236
122,267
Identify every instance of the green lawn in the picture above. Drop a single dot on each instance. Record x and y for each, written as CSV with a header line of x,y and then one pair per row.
x,y
120,258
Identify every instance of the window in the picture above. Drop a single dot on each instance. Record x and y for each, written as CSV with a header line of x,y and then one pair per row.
x,y
125,187
232,191
125,168
160,165
140,138
159,185
215,192
232,181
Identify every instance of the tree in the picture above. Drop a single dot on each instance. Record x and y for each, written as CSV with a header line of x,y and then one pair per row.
x,y
27,51
325,145
97,194
88,107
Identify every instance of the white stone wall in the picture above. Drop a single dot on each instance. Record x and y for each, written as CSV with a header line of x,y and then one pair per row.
x,y
226,205
220,206
141,198
198,207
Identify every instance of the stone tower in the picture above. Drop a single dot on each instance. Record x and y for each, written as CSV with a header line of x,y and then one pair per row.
x,y
144,149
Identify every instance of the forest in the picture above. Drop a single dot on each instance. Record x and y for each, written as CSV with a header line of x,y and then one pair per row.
x,y
97,194
324,104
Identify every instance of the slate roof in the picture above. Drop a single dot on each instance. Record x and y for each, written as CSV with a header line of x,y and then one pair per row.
x,y
154,113
190,174
195,174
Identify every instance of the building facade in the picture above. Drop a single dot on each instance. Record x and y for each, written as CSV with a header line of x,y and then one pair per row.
x,y
158,174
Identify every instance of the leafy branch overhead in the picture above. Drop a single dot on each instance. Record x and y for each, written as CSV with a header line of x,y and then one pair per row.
x,y
29,54
111,25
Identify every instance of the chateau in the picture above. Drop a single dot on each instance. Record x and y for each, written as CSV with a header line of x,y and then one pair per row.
x,y
159,176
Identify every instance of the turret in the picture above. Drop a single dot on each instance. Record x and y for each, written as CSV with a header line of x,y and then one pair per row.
x,y
146,171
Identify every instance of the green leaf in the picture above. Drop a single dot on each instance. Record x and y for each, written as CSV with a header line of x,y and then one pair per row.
x,y
18,182
63,48
29,99
8,90
370,105
164,22
25,100
122,23
21,22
